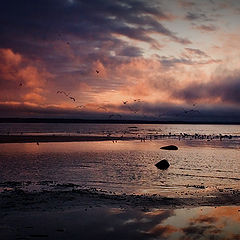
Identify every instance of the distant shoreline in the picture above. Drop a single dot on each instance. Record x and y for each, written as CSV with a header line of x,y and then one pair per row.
x,y
58,138
108,121
31,138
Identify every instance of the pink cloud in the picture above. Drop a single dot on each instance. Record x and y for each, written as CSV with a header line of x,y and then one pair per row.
x,y
21,78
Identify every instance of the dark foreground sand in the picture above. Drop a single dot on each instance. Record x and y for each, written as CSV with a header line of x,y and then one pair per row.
x,y
18,199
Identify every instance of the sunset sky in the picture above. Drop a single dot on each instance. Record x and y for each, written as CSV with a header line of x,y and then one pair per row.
x,y
155,59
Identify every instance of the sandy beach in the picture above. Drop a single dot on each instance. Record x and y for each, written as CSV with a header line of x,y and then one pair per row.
x,y
57,138
59,186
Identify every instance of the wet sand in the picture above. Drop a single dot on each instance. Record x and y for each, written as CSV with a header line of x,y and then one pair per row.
x,y
70,211
57,138
123,224
19,199
91,214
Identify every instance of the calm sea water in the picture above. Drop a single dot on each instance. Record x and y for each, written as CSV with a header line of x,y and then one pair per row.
x,y
125,166
116,129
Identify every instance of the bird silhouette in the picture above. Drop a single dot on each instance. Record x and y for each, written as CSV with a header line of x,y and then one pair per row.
x,y
72,98
67,95
125,102
80,106
191,110
62,92
97,71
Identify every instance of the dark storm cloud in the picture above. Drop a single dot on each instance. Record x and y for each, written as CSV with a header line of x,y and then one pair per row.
x,y
145,111
225,88
70,37
32,23
205,113
21,110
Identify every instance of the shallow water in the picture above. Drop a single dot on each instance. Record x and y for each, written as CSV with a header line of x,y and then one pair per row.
x,y
203,171
116,223
116,129
198,167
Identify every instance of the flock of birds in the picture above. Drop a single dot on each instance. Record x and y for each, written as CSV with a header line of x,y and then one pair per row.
x,y
105,109
131,105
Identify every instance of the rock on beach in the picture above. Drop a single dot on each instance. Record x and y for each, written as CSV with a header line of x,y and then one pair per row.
x,y
163,164
169,147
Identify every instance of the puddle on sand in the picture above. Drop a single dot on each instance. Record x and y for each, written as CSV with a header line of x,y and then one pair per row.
x,y
116,223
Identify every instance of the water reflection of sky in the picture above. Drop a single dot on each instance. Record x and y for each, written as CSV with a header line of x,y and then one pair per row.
x,y
116,223
192,223
127,166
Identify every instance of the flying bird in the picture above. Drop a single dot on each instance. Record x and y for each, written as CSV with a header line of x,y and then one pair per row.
x,y
97,71
80,106
124,102
62,92
72,98
67,95
191,110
